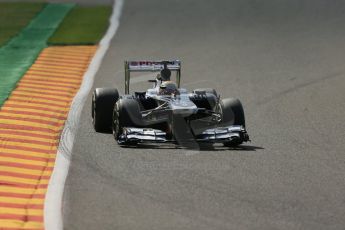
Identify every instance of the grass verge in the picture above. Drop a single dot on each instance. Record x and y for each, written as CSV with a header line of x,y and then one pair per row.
x,y
14,17
84,25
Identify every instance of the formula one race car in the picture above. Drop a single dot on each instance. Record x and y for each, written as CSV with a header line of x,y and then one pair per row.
x,y
166,112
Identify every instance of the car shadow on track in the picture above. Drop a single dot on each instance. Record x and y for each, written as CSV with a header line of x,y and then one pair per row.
x,y
201,147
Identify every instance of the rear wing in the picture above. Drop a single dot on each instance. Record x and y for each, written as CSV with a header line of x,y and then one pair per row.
x,y
150,66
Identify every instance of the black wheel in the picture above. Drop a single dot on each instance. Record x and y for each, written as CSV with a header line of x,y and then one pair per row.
x,y
206,90
103,100
206,98
232,114
126,113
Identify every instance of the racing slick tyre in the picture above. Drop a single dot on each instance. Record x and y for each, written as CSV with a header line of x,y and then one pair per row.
x,y
233,114
205,98
126,113
206,90
103,100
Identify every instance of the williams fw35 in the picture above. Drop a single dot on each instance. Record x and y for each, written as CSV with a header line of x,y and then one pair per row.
x,y
166,112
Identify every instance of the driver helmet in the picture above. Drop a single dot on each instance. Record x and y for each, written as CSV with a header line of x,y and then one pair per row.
x,y
168,88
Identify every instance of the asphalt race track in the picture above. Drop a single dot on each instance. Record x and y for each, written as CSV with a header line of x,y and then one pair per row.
x,y
285,61
83,2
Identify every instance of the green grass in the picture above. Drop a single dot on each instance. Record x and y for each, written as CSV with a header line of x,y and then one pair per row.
x,y
84,25
14,17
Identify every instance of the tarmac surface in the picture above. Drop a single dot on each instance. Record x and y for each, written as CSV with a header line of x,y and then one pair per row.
x,y
285,61
82,2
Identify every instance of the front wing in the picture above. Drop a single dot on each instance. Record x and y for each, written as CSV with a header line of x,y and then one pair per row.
x,y
214,135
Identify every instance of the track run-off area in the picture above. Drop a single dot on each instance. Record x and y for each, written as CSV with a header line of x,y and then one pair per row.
x,y
39,83
31,121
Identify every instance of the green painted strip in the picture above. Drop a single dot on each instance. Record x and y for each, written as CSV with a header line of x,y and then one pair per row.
x,y
19,53
84,25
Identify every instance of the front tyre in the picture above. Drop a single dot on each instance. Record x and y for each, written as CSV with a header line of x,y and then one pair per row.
x,y
232,114
126,113
103,100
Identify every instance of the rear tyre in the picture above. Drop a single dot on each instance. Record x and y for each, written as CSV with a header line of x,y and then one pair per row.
x,y
103,100
126,113
233,114
205,98
206,90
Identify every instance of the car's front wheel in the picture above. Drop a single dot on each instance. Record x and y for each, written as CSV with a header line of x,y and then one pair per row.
x,y
103,100
232,114
126,113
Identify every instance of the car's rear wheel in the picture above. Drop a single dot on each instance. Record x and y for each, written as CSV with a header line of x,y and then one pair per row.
x,y
205,98
103,100
232,114
206,90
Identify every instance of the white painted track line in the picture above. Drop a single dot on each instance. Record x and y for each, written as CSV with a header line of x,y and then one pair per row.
x,y
53,201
